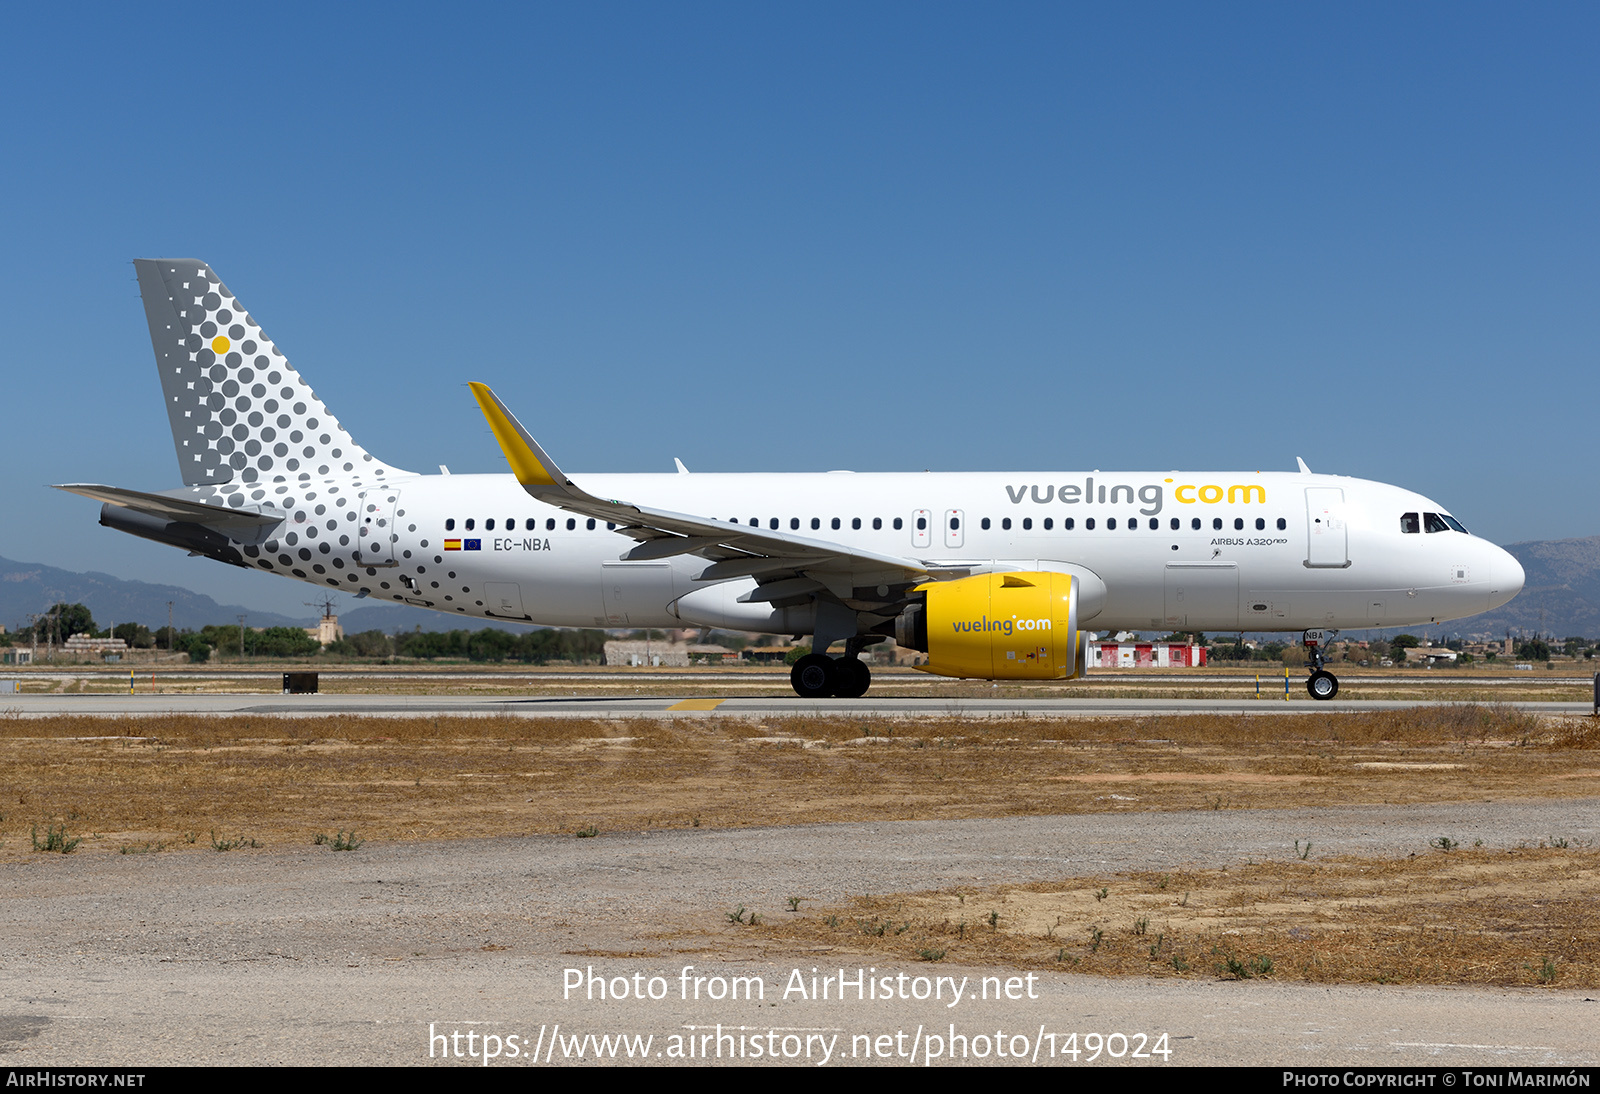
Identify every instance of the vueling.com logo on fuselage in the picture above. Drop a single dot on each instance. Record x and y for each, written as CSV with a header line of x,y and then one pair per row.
x,y
1149,496
1002,626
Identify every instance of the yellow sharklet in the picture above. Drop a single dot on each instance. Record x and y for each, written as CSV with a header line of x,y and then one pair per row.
x,y
522,452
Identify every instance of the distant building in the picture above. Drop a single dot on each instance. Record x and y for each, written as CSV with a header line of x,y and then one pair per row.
x,y
327,631
639,653
82,643
1145,655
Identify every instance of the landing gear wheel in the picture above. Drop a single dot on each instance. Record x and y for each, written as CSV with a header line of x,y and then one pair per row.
x,y
854,678
1323,685
814,676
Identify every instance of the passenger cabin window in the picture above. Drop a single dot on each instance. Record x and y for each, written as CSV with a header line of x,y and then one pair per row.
x,y
469,524
571,523
1175,523
922,524
774,524
450,525
855,523
1111,524
1282,524
591,524
1089,524
488,525
815,524
877,524
1027,524
794,524
1195,524
1216,524
985,524
1047,523
835,524
898,524
1261,524
550,524
1068,523
1238,524
1006,523
1408,523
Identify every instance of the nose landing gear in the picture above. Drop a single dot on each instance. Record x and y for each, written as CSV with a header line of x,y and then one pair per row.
x,y
1321,684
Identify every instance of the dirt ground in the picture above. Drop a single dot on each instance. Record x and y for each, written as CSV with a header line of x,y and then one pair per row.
x,y
195,785
1524,916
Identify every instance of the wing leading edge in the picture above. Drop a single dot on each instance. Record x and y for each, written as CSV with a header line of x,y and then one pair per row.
x,y
787,568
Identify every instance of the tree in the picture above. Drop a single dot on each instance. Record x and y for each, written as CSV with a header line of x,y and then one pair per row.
x,y
198,649
1533,649
136,635
70,619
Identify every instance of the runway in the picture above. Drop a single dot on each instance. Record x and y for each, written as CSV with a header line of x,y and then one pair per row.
x,y
677,706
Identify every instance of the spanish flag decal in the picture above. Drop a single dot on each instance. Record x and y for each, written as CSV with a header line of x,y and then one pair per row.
x,y
452,545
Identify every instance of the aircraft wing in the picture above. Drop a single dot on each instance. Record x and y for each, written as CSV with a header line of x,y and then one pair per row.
x,y
785,566
182,510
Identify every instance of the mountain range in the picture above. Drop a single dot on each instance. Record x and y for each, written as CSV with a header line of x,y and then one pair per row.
x,y
32,587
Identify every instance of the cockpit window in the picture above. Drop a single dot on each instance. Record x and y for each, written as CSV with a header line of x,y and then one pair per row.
x,y
1454,523
1408,523
1433,522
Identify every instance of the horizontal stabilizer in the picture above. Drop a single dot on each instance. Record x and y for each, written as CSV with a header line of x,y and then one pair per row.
x,y
246,519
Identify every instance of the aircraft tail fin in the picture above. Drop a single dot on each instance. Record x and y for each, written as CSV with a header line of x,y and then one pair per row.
x,y
239,411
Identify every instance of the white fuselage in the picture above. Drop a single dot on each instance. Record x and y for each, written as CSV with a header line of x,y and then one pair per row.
x,y
1258,551
275,482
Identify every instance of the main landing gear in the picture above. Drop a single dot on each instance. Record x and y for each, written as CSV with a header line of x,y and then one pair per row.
x,y
1322,684
818,676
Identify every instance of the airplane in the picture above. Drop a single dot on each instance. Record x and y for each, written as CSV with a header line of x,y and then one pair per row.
x,y
994,576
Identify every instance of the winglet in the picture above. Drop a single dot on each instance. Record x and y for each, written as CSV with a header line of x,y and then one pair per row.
x,y
528,461
1304,470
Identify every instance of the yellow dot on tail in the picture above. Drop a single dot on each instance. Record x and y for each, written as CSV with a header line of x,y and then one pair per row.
x,y
220,344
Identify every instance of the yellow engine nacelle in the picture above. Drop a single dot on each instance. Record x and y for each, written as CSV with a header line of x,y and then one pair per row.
x,y
1017,626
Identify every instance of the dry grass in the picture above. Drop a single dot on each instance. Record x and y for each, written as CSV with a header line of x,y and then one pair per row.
x,y
1529,916
281,781
187,784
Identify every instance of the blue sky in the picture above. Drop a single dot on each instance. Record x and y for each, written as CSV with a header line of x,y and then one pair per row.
x,y
884,237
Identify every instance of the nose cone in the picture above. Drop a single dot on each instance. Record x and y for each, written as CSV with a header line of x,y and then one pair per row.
x,y
1505,578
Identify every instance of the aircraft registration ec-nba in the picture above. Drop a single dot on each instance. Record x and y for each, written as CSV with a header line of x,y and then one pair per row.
x,y
993,576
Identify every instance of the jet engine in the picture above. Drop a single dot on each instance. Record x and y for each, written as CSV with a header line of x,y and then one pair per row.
x,y
1007,626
